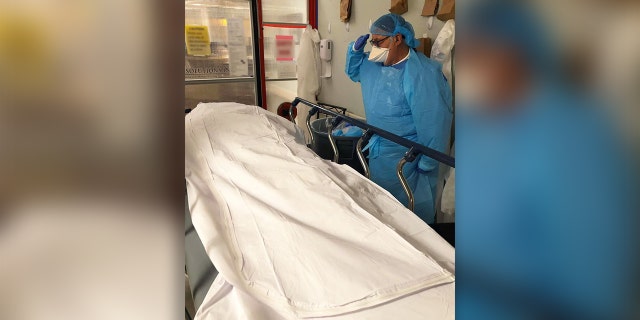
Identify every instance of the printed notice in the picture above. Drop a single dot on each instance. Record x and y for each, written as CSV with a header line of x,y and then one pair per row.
x,y
284,48
238,62
197,40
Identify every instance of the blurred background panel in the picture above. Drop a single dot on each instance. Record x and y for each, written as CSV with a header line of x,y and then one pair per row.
x,y
91,139
547,159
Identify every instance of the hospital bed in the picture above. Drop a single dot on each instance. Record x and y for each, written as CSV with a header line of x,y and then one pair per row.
x,y
412,266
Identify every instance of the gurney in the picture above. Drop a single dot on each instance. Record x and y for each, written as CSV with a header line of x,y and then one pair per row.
x,y
294,236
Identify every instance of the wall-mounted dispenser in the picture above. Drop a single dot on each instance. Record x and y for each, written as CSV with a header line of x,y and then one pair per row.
x,y
326,46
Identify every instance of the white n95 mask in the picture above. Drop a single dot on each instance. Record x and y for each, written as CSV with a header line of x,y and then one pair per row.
x,y
378,54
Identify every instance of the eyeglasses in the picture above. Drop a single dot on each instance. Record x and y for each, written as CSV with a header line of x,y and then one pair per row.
x,y
378,42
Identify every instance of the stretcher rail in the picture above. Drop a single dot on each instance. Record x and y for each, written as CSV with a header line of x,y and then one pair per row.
x,y
414,151
418,149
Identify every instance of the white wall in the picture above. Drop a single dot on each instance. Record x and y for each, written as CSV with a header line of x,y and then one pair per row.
x,y
339,89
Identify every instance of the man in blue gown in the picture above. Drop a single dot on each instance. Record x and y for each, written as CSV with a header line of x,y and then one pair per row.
x,y
405,93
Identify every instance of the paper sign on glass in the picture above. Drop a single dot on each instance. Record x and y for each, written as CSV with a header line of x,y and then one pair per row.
x,y
284,48
238,61
197,39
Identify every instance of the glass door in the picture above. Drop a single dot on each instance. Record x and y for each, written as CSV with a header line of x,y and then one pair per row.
x,y
244,50
220,52
283,22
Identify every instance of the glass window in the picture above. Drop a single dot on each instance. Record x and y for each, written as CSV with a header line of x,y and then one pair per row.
x,y
289,11
241,92
279,92
218,41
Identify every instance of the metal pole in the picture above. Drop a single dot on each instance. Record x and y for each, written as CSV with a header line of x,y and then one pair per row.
x,y
410,156
363,162
309,127
403,181
334,146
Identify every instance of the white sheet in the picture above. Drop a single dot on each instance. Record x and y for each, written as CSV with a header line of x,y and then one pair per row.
x,y
295,236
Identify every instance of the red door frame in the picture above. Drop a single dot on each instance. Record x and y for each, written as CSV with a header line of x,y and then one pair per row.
x,y
312,12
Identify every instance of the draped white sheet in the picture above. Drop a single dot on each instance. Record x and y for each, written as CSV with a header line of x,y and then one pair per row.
x,y
294,236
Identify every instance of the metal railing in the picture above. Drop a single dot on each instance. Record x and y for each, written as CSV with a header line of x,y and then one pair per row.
x,y
415,149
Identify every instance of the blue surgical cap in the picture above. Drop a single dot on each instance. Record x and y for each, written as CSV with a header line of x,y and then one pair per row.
x,y
391,24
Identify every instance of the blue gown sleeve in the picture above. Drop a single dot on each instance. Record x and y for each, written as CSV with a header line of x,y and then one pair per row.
x,y
354,62
429,98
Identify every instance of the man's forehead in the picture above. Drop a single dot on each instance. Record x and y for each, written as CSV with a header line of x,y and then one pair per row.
x,y
377,36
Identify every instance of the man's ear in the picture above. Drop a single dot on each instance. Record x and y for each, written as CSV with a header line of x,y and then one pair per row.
x,y
397,39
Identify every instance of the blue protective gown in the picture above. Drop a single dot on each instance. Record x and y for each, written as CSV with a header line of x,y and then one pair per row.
x,y
412,100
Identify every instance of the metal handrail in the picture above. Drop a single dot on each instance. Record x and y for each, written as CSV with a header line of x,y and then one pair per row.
x,y
330,106
418,149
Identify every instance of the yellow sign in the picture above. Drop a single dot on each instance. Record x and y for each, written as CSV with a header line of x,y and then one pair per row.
x,y
197,39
